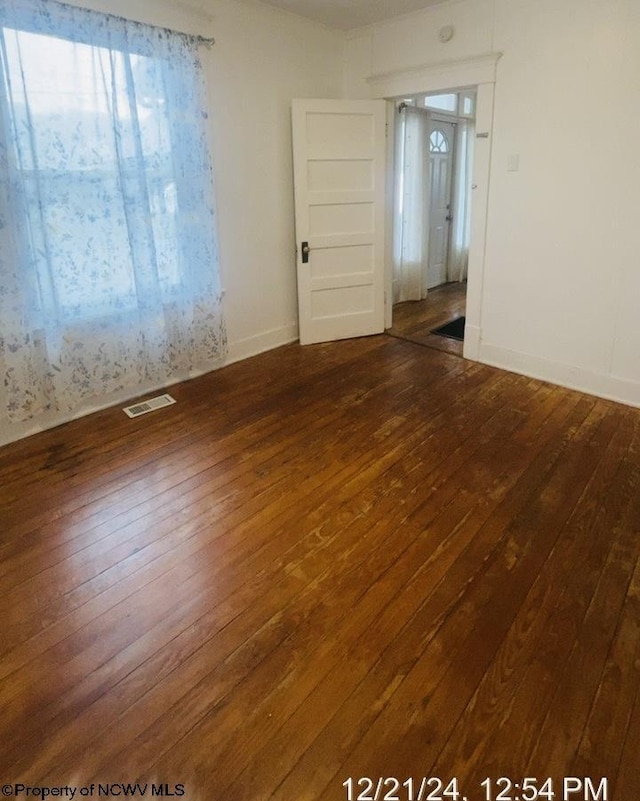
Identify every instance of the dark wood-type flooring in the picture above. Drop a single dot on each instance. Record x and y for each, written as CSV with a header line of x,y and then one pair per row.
x,y
414,320
366,558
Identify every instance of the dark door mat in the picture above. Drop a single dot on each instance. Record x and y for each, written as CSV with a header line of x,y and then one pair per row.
x,y
452,330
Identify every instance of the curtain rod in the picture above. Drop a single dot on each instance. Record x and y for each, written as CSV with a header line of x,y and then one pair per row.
x,y
206,41
404,106
455,118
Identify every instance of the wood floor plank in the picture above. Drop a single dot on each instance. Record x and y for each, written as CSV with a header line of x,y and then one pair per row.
x,y
416,435
428,703
233,442
332,682
364,557
254,463
542,630
56,464
378,466
383,679
237,526
625,782
604,734
572,700
240,446
388,554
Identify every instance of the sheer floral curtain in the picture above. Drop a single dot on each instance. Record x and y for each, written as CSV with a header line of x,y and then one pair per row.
x,y
109,281
461,228
411,226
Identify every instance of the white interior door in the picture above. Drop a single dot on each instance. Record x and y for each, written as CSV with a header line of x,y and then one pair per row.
x,y
339,178
441,150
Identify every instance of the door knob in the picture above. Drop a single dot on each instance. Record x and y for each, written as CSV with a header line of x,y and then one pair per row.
x,y
305,252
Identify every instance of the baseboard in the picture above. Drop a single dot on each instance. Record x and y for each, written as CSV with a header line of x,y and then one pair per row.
x,y
259,343
609,387
471,348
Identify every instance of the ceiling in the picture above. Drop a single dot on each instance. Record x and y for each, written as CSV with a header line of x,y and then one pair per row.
x,y
349,14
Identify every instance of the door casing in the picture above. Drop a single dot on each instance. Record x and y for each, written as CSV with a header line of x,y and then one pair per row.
x,y
477,72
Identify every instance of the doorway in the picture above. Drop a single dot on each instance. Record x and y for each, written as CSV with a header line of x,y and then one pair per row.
x,y
416,321
433,166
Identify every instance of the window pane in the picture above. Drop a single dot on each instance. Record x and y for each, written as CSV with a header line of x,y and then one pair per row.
x,y
438,142
442,102
468,105
94,139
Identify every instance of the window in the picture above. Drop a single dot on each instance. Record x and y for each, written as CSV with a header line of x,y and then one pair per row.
x,y
447,102
108,259
468,104
438,142
95,146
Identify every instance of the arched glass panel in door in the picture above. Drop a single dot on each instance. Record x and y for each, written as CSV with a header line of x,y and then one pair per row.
x,y
438,142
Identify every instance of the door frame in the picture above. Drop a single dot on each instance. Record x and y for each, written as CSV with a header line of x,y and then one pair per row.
x,y
479,72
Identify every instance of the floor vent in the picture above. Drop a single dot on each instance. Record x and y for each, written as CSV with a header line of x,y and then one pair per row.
x,y
148,406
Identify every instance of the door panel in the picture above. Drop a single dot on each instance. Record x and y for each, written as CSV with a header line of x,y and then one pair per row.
x,y
441,166
347,260
336,176
340,218
339,175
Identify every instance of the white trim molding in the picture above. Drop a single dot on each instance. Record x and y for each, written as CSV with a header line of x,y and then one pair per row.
x,y
456,74
610,387
479,71
259,343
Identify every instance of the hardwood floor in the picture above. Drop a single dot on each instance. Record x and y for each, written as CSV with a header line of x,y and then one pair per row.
x,y
415,320
366,558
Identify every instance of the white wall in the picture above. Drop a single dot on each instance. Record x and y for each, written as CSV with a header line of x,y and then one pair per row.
x,y
561,281
262,59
